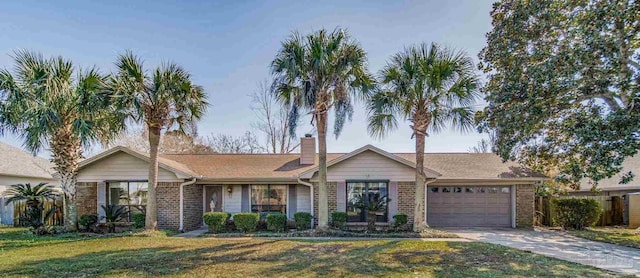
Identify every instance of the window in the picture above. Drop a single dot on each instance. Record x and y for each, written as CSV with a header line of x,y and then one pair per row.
x,y
368,192
434,189
132,195
269,198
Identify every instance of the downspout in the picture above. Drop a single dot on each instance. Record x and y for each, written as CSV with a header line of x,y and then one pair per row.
x,y
181,228
312,200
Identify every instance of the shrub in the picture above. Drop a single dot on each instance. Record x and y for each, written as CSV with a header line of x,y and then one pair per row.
x,y
87,221
139,220
575,213
216,221
338,219
246,222
276,222
399,220
303,220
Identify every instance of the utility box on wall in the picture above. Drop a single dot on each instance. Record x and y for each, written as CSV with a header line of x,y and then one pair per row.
x,y
634,210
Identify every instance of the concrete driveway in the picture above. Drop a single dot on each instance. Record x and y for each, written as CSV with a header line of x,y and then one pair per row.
x,y
561,246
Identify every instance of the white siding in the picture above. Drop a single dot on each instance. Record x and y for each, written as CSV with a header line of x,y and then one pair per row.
x,y
303,198
11,180
369,166
122,166
232,203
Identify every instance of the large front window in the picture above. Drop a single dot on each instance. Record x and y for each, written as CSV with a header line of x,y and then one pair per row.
x,y
269,198
132,195
365,192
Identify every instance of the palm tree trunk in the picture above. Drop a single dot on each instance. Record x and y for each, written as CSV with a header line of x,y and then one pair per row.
x,y
323,202
419,219
65,154
151,219
371,221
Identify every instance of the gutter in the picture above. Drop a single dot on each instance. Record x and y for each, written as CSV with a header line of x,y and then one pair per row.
x,y
181,228
312,200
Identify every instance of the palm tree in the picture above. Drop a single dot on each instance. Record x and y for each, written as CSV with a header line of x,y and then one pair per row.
x,y
163,99
315,73
44,103
431,87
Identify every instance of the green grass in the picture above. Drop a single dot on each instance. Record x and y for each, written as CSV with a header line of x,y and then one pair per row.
x,y
624,237
137,256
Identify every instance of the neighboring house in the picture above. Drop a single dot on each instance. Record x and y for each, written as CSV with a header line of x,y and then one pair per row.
x,y
612,186
464,189
18,166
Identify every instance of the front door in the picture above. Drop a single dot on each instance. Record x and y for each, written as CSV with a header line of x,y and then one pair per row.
x,y
213,198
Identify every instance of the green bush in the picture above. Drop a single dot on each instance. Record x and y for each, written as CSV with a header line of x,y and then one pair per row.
x,y
575,213
399,221
276,222
87,221
303,220
246,222
216,221
338,219
138,220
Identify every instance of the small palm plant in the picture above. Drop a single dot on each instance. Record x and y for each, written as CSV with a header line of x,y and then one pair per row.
x,y
34,197
113,214
371,208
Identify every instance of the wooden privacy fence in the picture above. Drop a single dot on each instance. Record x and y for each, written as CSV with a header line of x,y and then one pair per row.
x,y
612,210
57,219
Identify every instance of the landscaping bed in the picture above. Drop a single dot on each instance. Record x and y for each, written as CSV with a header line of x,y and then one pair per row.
x,y
619,236
427,233
145,256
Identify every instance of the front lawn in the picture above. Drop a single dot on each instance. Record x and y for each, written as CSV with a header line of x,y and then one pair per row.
x,y
166,256
624,237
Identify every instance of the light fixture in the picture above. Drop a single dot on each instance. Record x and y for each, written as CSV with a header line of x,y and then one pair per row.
x,y
229,189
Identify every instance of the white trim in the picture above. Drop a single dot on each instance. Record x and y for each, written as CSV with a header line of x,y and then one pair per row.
x,y
181,227
513,206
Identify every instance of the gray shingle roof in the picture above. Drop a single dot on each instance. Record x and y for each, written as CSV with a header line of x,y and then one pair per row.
x,y
16,162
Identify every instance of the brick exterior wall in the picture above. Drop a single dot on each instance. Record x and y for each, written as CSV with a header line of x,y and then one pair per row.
x,y
525,206
168,198
406,192
332,198
192,207
87,198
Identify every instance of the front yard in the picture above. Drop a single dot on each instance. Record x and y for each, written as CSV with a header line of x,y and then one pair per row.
x,y
24,255
624,237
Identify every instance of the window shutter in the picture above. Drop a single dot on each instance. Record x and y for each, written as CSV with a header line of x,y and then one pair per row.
x,y
393,199
292,201
341,196
102,200
246,194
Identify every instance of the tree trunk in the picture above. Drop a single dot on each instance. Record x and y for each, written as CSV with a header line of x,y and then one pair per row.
x,y
371,221
323,202
151,219
419,217
65,154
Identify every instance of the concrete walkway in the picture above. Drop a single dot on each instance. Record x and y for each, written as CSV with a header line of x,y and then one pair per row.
x,y
561,246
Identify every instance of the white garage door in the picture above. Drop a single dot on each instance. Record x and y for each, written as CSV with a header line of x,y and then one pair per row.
x,y
469,206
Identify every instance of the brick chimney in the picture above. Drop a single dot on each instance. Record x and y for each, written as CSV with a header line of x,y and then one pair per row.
x,y
307,149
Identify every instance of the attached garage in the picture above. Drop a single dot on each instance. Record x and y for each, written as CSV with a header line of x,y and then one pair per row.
x,y
469,206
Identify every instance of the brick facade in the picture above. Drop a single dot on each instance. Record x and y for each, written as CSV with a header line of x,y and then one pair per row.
x,y
87,198
525,206
192,207
332,198
168,199
406,192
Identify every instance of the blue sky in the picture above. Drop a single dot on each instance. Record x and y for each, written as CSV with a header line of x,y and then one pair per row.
x,y
228,45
